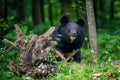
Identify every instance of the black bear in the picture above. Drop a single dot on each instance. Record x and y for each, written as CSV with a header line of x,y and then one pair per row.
x,y
69,36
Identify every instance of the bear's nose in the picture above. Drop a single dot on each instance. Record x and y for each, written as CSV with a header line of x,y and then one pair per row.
x,y
74,34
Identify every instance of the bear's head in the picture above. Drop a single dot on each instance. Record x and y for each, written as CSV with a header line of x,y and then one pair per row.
x,y
71,31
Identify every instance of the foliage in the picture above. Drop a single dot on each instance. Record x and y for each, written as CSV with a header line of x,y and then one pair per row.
x,y
109,46
5,58
108,40
73,71
108,49
39,29
25,26
7,25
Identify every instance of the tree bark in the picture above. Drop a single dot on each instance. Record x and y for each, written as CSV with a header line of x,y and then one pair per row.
x,y
42,10
95,4
50,13
112,9
20,10
103,13
0,18
92,29
36,12
5,11
0,9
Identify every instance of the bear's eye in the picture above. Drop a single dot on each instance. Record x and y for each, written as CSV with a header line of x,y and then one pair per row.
x,y
69,30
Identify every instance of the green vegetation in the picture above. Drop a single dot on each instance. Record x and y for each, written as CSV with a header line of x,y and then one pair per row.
x,y
83,71
108,52
109,46
108,33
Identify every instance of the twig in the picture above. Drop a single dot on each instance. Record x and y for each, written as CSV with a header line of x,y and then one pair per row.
x,y
8,41
60,55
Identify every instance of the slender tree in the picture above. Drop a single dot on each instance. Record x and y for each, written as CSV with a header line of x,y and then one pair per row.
x,y
112,9
96,3
38,11
5,15
92,28
0,9
0,18
42,10
5,11
50,12
20,10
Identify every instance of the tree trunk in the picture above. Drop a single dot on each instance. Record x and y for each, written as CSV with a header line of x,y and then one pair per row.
x,y
50,13
20,10
96,10
112,9
66,7
5,15
36,12
92,29
0,18
42,10
5,11
0,9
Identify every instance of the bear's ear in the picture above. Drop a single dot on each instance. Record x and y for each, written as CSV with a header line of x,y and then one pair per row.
x,y
64,20
81,22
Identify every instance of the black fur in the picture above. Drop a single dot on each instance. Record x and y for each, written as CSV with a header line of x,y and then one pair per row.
x,y
66,30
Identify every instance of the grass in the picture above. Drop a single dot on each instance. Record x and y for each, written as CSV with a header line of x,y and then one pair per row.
x,y
74,71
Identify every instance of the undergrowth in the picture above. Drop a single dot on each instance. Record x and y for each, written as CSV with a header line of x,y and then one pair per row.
x,y
109,50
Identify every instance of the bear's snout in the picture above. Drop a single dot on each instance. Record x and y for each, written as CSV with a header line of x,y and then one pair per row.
x,y
72,33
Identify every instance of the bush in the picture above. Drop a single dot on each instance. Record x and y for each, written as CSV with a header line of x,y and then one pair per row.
x,y
109,46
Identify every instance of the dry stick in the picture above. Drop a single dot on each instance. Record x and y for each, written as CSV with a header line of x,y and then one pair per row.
x,y
60,55
8,41
58,52
66,57
71,54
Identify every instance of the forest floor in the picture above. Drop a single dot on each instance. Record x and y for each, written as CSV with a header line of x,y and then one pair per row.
x,y
107,68
87,71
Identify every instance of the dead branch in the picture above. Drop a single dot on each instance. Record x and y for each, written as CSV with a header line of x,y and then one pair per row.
x,y
12,43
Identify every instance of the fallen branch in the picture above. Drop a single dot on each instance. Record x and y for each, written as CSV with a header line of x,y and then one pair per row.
x,y
13,44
